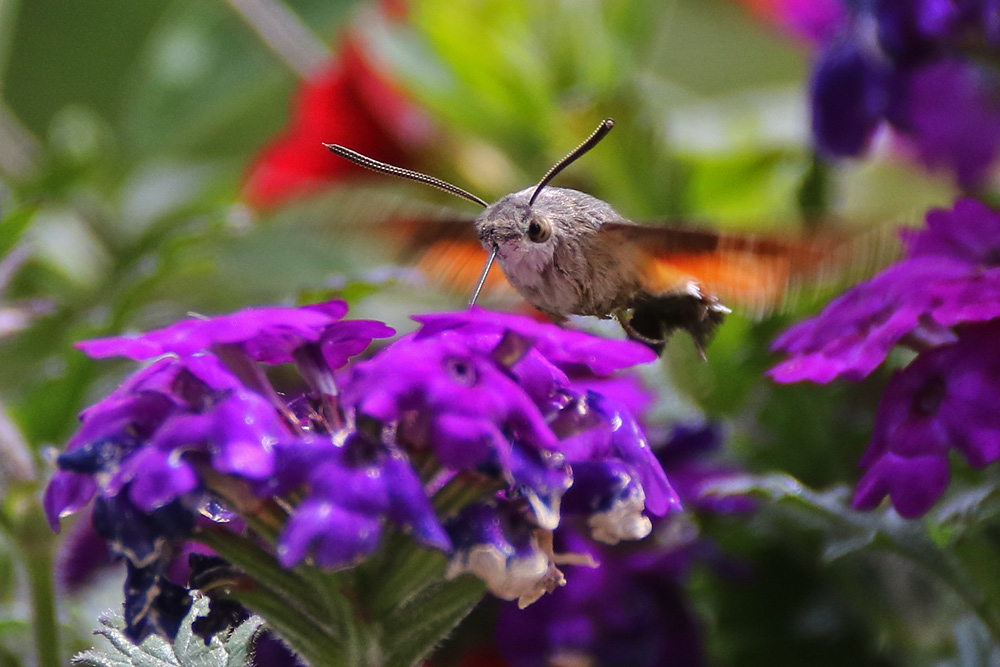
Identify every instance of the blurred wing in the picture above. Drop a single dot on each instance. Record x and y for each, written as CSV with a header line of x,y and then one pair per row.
x,y
754,274
448,254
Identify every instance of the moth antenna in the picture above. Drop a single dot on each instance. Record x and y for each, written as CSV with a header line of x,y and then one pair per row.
x,y
392,170
482,277
589,143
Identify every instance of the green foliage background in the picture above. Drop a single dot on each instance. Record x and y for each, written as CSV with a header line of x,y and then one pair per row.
x,y
128,126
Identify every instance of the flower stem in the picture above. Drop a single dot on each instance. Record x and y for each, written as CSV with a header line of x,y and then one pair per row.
x,y
36,545
299,596
414,630
43,607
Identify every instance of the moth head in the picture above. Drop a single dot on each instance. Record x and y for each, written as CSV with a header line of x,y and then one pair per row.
x,y
512,222
557,216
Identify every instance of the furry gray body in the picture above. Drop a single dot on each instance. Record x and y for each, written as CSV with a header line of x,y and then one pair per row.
x,y
571,264
570,272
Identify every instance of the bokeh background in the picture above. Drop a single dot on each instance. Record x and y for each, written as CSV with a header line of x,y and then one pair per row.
x,y
163,157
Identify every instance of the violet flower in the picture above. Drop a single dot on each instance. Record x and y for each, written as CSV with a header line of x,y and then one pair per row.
x,y
924,67
941,300
144,451
810,20
487,392
632,609
946,398
354,487
475,396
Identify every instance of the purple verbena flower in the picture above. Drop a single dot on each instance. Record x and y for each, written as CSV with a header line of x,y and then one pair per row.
x,y
615,471
923,67
626,612
948,276
856,331
563,347
151,450
945,399
474,396
632,609
689,458
949,110
849,96
80,554
495,542
267,335
353,488
483,391
142,438
488,393
941,299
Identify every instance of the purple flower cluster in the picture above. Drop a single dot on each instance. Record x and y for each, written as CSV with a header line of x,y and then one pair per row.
x,y
474,395
490,393
928,68
633,609
150,450
942,300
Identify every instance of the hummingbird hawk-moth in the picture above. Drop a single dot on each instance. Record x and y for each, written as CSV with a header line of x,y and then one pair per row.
x,y
569,253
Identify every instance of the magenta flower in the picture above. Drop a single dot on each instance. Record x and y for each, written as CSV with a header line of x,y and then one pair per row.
x,y
144,451
633,609
945,399
340,521
267,335
563,347
487,393
956,264
923,67
476,394
856,331
941,299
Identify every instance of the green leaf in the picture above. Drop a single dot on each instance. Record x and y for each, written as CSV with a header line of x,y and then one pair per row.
x,y
187,650
13,225
848,531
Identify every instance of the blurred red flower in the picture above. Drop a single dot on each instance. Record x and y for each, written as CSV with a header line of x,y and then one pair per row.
x,y
348,102
811,20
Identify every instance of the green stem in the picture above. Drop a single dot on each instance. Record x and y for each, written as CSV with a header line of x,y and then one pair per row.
x,y
36,545
316,648
43,609
952,571
43,613
298,595
407,577
408,568
343,612
314,611
413,632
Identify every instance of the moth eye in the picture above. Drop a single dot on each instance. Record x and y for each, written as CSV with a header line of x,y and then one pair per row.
x,y
539,232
